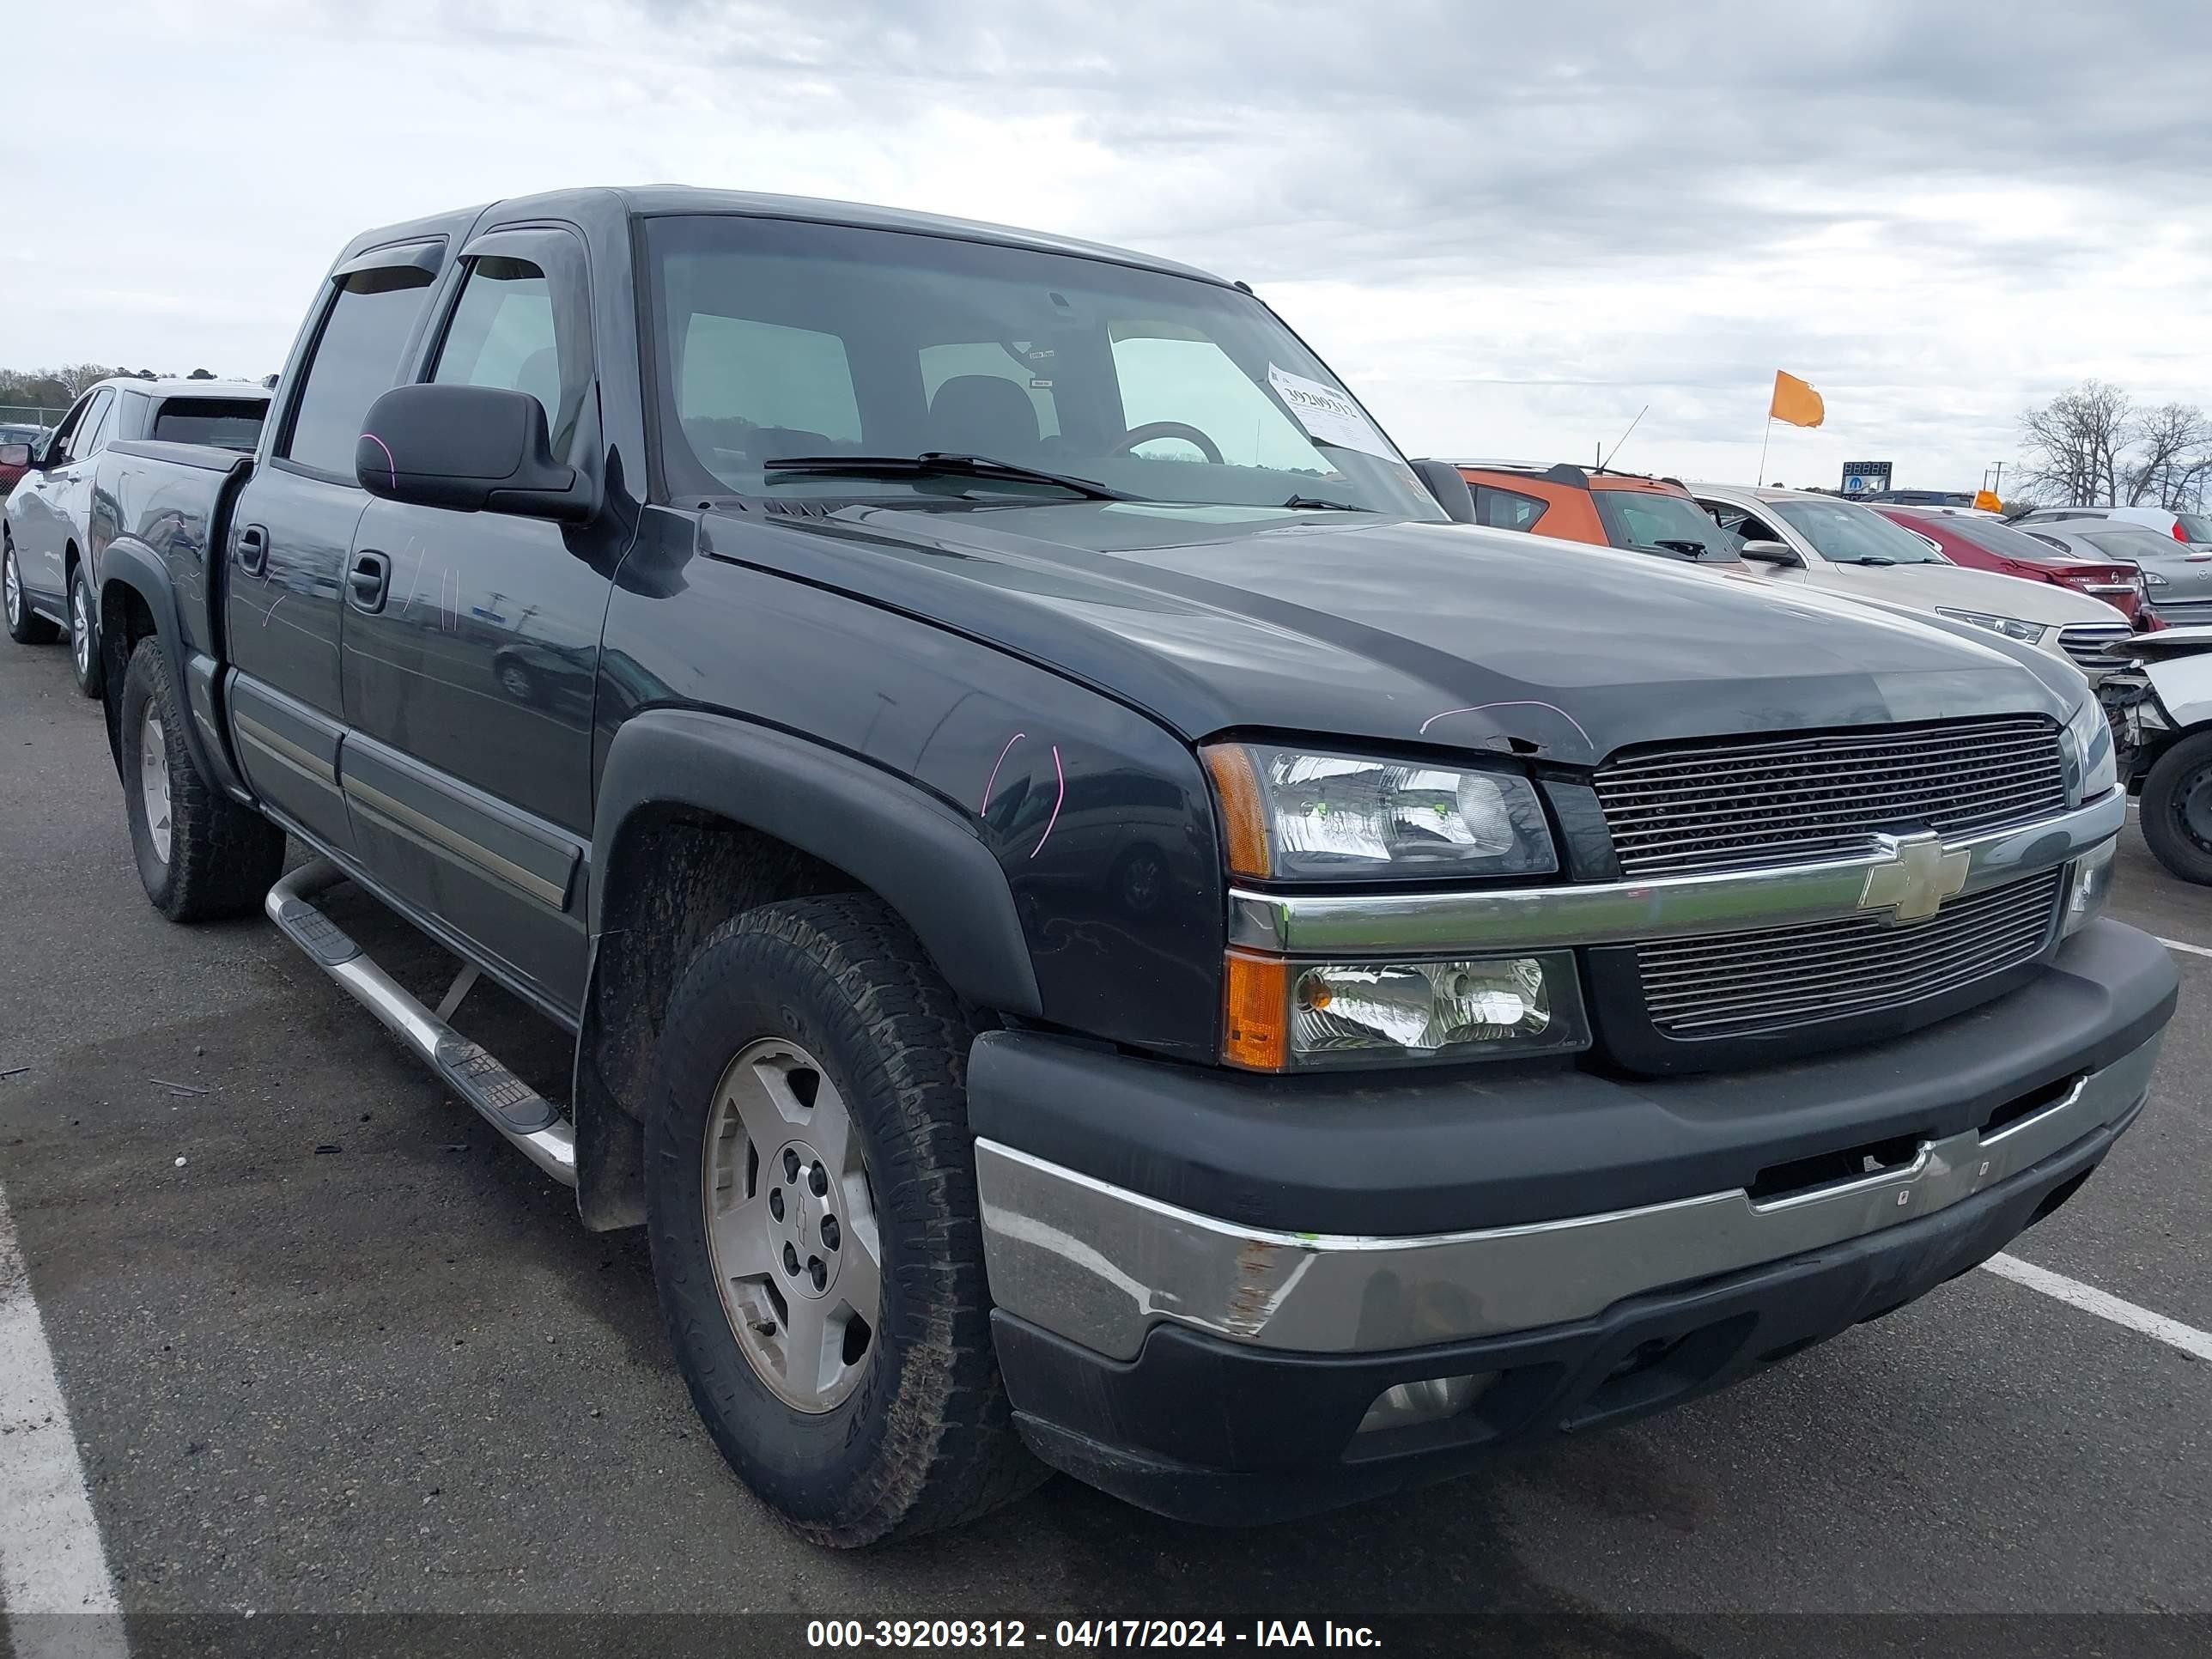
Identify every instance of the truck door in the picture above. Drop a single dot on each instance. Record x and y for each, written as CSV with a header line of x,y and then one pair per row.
x,y
471,642
290,534
66,490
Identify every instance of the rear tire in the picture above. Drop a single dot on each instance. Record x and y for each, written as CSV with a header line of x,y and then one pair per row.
x,y
84,641
201,855
2176,809
25,626
903,1427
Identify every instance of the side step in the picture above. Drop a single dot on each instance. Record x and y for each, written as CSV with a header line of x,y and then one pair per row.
x,y
501,1098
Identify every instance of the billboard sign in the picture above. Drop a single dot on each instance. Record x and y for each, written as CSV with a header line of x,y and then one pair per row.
x,y
1865,477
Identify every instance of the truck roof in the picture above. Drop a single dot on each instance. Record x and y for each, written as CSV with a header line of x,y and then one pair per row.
x,y
176,386
650,201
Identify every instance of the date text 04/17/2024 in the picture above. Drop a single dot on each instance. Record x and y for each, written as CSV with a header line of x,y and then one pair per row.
x,y
940,1633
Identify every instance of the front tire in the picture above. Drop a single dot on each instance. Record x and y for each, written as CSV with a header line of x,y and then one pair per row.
x,y
810,1196
25,625
201,855
2176,809
84,642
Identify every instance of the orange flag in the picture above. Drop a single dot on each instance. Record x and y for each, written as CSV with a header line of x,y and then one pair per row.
x,y
1795,402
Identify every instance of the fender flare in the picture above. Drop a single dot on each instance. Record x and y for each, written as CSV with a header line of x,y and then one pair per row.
x,y
921,856
124,563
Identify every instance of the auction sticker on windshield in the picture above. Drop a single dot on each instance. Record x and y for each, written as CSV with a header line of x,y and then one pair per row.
x,y
1328,415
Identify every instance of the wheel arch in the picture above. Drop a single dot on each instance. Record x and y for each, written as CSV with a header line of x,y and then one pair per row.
x,y
700,815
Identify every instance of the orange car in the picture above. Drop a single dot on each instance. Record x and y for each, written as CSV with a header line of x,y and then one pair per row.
x,y
1609,509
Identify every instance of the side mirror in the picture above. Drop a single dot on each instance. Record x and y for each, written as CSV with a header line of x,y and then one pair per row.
x,y
471,448
1770,553
1450,489
14,454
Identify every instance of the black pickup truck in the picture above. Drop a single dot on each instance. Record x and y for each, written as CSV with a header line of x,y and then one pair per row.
x,y
1101,928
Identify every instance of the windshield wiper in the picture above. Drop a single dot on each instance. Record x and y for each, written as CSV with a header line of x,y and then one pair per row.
x,y
1318,505
936,463
1687,549
1875,560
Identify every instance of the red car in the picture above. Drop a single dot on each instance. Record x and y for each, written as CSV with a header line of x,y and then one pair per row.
x,y
1967,538
11,472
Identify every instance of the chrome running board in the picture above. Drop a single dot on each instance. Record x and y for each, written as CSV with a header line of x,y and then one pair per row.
x,y
511,1106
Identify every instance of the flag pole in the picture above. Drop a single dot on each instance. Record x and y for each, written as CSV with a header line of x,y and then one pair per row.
x,y
1761,480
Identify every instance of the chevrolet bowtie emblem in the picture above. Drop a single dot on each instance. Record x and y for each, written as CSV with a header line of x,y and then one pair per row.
x,y
1917,878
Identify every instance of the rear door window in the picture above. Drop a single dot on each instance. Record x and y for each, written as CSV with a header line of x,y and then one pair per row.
x,y
1507,509
355,361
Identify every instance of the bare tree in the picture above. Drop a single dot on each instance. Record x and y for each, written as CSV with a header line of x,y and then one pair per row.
x,y
75,377
2075,444
2173,460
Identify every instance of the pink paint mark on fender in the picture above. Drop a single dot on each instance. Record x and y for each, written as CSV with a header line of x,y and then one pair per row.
x,y
1523,703
1058,802
994,778
390,465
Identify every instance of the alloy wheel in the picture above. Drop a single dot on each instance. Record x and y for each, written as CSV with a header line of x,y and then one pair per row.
x,y
791,1225
153,782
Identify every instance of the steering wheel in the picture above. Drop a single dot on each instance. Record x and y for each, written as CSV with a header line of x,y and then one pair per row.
x,y
1151,429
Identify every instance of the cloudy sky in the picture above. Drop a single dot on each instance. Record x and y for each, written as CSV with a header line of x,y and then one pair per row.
x,y
1509,227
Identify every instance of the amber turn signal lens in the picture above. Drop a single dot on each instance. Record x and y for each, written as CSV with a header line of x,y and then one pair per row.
x,y
1244,809
1256,1024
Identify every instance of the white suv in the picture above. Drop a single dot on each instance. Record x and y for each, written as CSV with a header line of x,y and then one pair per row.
x,y
2194,528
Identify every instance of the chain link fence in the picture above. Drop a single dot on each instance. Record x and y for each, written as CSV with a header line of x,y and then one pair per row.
x,y
29,414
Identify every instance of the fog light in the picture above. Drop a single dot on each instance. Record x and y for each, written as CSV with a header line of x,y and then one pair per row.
x,y
2090,886
1434,1010
1429,1400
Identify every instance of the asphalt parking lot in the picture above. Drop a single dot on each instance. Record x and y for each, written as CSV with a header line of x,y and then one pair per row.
x,y
333,1355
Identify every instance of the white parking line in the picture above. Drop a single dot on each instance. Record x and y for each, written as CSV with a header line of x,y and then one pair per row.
x,y
2193,949
54,1584
2090,1299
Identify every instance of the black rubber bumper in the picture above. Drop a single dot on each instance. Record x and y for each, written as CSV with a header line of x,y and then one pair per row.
x,y
1214,1432
1475,1147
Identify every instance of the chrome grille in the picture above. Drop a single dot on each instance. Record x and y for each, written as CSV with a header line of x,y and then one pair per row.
x,y
1792,799
2085,641
1786,976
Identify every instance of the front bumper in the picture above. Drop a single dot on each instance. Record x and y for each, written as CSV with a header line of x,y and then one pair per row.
x,y
1620,1246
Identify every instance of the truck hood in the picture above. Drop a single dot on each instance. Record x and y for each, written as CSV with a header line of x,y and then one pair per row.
x,y
1350,626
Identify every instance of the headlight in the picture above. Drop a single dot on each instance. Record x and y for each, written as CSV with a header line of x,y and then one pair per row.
x,y
2090,735
1285,1015
1294,814
2011,627
2091,886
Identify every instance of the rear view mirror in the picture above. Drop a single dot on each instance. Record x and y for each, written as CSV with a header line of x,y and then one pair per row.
x,y
1770,553
1449,488
469,448
14,454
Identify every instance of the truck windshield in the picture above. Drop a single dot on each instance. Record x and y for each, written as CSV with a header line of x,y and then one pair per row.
x,y
783,340
1846,533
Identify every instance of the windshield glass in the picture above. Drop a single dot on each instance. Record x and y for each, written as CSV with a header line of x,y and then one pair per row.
x,y
2197,527
225,423
1646,520
1854,535
2133,542
2006,541
778,339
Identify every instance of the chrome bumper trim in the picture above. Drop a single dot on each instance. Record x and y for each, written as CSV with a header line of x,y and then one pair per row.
x,y
1100,1265
1663,907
